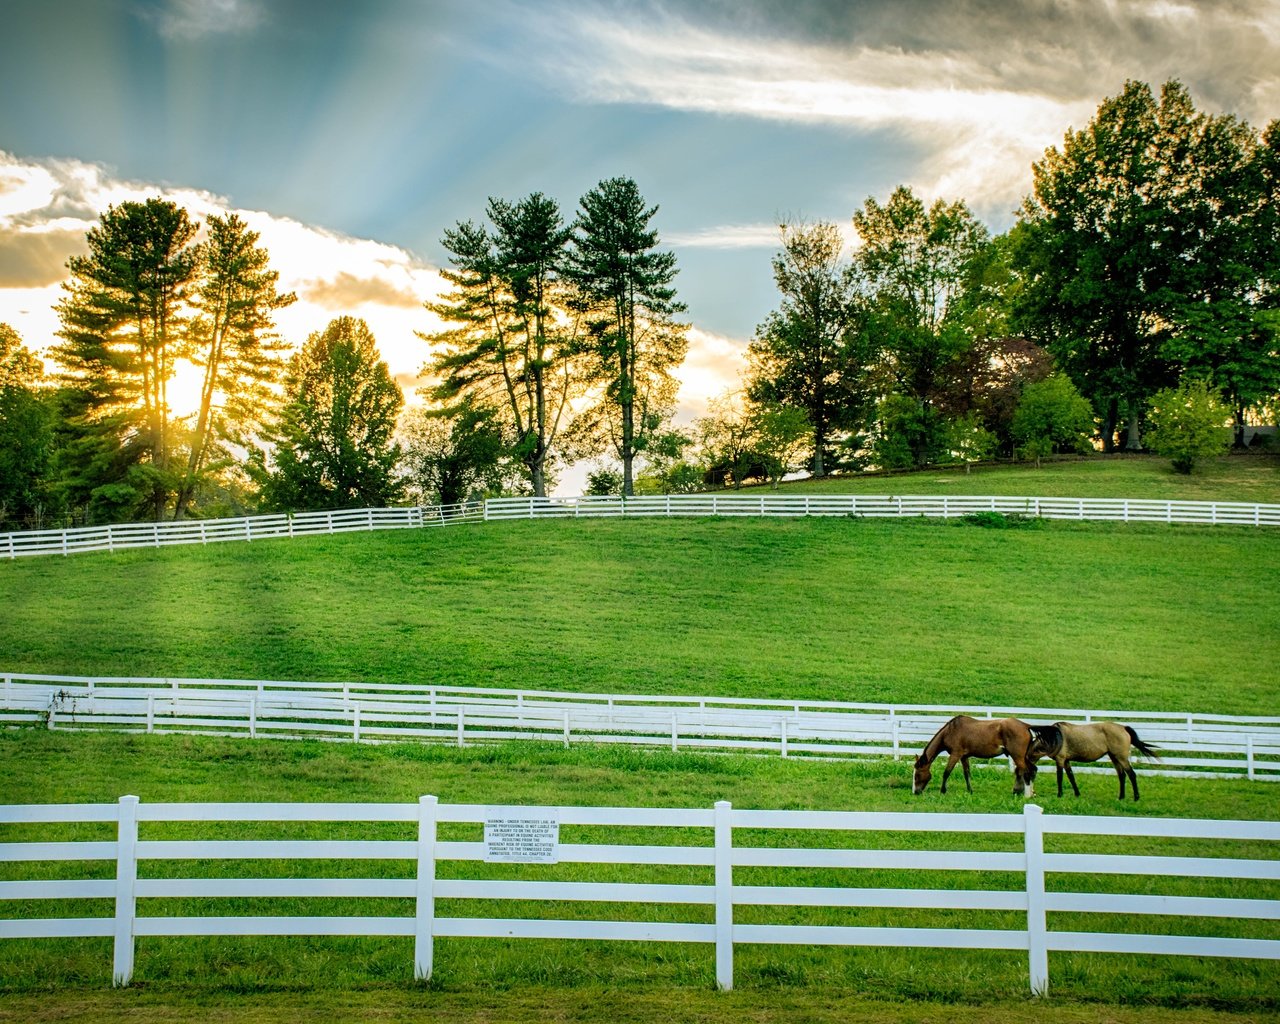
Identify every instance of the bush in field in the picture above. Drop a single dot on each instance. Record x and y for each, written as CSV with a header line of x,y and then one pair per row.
x,y
1052,416
1187,424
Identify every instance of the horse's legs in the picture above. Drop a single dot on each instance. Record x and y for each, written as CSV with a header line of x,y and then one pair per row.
x,y
1059,764
1133,777
1119,766
1071,777
951,763
964,763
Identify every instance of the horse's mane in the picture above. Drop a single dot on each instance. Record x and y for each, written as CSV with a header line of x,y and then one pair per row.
x,y
1047,738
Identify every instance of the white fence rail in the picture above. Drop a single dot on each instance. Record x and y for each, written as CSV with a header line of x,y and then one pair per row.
x,y
300,524
772,503
246,528
706,853
1189,744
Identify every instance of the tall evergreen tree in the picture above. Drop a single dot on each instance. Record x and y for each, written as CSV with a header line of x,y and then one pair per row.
x,y
232,339
334,441
512,347
123,326
626,283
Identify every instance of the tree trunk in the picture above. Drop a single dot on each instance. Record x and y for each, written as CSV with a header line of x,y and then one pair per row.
x,y
1133,440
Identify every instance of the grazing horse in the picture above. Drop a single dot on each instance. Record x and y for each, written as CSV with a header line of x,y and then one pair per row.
x,y
964,737
1065,742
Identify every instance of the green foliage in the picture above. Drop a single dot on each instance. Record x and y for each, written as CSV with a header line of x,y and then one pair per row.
x,y
1003,521
334,441
450,457
913,269
232,338
1149,248
811,355
604,482
124,321
625,285
1052,416
26,433
1188,424
513,346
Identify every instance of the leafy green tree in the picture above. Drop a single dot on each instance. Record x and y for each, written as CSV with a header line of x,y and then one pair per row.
x,y
1052,416
455,456
1188,424
123,327
625,284
811,353
729,442
513,344
783,436
913,267
1149,250
970,441
26,433
335,437
232,339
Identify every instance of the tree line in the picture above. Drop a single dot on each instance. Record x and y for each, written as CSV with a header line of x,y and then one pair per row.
x,y
1132,304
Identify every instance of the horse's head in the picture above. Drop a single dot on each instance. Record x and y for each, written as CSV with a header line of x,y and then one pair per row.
x,y
1028,777
1045,741
923,773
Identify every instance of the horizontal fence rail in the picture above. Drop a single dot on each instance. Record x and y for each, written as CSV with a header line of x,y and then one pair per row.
x,y
725,899
301,524
1189,744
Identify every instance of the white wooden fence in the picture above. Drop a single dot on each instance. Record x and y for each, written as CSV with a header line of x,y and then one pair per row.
x,y
249,528
1190,744
245,528
140,873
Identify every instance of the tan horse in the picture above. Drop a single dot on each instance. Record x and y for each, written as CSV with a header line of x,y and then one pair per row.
x,y
964,737
1065,742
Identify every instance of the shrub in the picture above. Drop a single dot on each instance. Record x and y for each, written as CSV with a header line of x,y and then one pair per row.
x,y
1187,424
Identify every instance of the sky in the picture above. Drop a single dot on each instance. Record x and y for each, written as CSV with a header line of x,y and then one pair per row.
x,y
352,134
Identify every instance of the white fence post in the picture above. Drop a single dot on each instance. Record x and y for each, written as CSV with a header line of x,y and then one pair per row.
x,y
1037,923
355,724
151,712
724,895
253,717
425,914
126,881
675,731
461,738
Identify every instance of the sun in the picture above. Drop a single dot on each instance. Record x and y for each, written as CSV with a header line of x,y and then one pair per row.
x,y
183,391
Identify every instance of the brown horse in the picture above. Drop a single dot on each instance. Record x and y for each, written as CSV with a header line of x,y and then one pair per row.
x,y
964,737
1065,742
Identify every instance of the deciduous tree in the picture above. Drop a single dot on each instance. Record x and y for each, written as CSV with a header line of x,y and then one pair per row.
x,y
334,440
811,354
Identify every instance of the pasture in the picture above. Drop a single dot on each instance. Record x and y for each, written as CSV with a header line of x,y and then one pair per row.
x,y
192,972
1086,615
921,611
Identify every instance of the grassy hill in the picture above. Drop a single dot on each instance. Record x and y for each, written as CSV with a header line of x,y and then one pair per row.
x,y
1079,615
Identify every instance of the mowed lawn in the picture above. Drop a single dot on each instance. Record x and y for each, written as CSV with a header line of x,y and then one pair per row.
x,y
1104,616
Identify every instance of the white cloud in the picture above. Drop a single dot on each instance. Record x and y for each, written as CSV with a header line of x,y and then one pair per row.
x,y
981,90
194,19
47,206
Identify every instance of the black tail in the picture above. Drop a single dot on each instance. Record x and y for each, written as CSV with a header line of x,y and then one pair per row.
x,y
1046,740
1142,747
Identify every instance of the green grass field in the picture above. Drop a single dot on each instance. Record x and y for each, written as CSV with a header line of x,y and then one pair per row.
x,y
196,972
915,611
1073,615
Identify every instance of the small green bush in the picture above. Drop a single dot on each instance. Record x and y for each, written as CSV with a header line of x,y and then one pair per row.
x,y
1003,521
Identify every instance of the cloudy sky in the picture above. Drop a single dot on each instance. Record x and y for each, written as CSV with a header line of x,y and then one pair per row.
x,y
351,134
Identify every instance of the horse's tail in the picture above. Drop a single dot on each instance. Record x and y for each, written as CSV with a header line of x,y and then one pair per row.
x,y
1046,740
1142,747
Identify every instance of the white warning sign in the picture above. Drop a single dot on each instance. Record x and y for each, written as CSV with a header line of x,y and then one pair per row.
x,y
520,840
